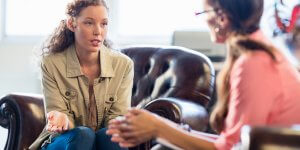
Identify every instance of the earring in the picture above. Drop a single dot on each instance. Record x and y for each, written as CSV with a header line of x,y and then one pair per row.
x,y
217,29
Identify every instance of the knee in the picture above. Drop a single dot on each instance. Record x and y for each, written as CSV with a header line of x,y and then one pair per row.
x,y
84,132
101,134
101,131
103,141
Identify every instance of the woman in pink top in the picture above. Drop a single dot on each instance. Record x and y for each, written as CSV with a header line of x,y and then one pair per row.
x,y
257,85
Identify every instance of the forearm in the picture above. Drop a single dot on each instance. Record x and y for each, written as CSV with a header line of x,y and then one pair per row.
x,y
207,135
186,140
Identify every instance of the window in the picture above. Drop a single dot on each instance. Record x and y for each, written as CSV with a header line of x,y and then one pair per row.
x,y
129,18
162,17
33,17
268,23
157,17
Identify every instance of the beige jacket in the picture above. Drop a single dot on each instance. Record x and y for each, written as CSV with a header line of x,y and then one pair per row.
x,y
66,88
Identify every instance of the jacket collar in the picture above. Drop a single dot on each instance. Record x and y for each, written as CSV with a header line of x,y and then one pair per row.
x,y
73,65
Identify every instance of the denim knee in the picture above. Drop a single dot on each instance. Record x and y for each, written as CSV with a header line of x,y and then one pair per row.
x,y
83,138
83,133
75,139
103,141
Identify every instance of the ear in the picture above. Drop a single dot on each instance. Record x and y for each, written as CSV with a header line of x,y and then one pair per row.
x,y
223,21
71,24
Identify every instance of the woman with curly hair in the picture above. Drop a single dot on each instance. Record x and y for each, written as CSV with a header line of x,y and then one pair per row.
x,y
85,83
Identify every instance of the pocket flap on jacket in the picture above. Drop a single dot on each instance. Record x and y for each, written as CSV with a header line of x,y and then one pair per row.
x,y
69,94
110,99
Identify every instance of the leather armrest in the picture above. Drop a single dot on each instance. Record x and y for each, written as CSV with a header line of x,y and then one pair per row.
x,y
23,116
180,111
262,138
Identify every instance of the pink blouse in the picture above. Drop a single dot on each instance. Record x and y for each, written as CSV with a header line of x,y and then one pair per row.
x,y
262,92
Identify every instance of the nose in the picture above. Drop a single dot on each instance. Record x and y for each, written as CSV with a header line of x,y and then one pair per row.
x,y
97,30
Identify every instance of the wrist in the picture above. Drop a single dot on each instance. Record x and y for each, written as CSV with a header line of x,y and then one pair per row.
x,y
158,126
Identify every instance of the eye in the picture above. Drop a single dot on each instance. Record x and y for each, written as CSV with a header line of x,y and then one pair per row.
x,y
104,24
88,22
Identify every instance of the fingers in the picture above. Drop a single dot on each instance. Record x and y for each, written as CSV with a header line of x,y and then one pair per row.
x,y
57,121
48,127
50,115
123,141
132,141
114,122
52,127
128,135
65,126
127,144
120,119
111,131
117,138
135,111
120,132
116,129
59,129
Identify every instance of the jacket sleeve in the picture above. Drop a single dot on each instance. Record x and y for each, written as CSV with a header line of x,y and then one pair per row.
x,y
53,99
124,94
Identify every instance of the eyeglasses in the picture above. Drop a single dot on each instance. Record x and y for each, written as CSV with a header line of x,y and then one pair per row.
x,y
205,11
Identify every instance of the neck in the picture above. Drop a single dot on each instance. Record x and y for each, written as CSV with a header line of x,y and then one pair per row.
x,y
87,58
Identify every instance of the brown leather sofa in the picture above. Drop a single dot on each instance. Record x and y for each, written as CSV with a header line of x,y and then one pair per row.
x,y
174,82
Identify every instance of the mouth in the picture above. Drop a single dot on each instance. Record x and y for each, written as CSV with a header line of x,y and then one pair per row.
x,y
96,42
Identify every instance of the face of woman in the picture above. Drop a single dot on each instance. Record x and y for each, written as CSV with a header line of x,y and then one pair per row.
x,y
215,23
90,28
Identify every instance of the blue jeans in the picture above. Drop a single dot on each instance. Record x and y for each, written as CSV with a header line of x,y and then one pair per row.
x,y
83,138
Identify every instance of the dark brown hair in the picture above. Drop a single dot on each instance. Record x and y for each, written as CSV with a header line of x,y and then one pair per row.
x,y
62,37
244,17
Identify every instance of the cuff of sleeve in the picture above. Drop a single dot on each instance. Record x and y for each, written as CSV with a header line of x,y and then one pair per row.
x,y
221,144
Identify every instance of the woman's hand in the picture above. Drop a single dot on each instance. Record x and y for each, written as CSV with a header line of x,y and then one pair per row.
x,y
57,122
137,127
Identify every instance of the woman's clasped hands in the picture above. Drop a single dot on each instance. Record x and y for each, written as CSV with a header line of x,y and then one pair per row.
x,y
136,127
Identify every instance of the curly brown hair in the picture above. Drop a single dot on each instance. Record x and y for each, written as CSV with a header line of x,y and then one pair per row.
x,y
62,37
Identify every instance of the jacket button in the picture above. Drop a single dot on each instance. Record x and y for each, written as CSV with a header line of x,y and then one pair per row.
x,y
67,93
111,99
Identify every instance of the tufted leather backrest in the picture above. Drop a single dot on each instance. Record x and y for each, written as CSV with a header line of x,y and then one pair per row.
x,y
170,72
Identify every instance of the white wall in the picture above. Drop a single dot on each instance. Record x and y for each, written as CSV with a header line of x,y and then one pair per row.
x,y
3,132
18,71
